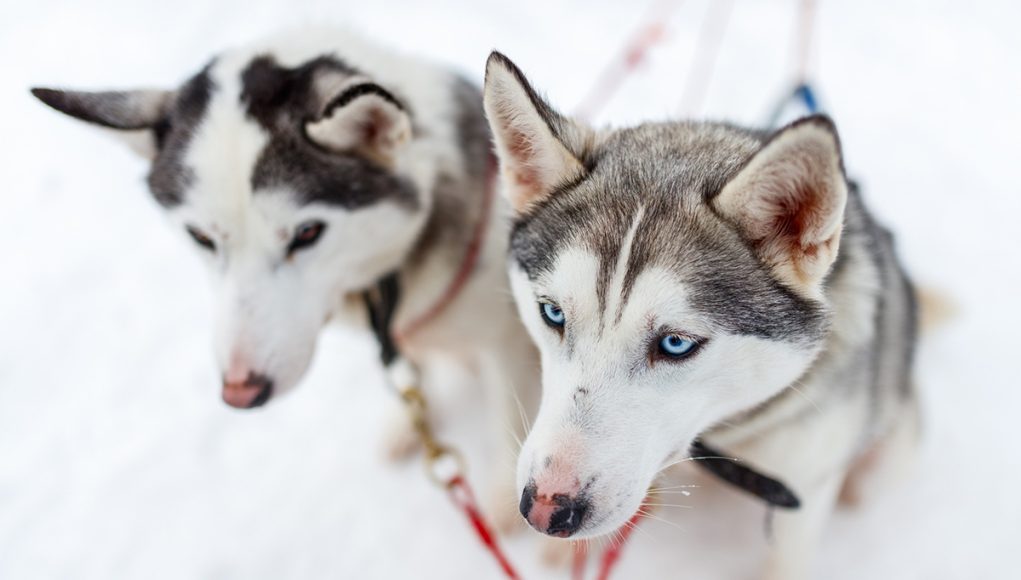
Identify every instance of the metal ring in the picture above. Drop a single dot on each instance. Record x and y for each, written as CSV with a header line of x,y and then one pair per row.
x,y
434,463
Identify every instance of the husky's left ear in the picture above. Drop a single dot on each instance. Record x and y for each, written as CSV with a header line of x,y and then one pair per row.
x,y
364,118
789,200
539,149
134,116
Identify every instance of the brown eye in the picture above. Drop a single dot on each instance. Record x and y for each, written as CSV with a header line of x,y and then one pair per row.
x,y
307,234
201,238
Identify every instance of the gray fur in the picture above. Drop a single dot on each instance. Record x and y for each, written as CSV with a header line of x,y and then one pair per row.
x,y
673,170
454,212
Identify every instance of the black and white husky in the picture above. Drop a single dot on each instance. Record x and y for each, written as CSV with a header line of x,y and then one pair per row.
x,y
306,168
687,280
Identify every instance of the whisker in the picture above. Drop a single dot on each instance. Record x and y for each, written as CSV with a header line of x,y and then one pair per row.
x,y
806,397
651,516
637,528
521,412
671,464
670,487
669,505
515,437
674,486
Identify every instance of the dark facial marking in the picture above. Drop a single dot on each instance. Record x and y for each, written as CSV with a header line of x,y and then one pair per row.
x,y
672,170
282,100
169,177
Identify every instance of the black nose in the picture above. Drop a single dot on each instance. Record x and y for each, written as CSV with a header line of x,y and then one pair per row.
x,y
265,386
568,517
527,499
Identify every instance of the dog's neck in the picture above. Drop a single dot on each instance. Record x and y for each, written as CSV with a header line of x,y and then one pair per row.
x,y
447,251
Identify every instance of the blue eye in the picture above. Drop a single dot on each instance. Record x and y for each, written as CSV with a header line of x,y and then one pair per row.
x,y
676,346
553,315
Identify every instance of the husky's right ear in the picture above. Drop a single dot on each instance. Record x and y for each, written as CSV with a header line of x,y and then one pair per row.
x,y
364,118
539,149
789,200
134,116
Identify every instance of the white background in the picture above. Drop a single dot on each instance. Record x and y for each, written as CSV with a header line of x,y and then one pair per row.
x,y
117,459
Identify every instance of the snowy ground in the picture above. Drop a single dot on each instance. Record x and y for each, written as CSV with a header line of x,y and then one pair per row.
x,y
117,459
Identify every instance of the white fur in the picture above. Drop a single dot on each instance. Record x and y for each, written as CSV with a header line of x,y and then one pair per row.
x,y
636,416
270,308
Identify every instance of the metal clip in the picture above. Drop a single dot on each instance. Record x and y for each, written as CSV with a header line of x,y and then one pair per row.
x,y
443,464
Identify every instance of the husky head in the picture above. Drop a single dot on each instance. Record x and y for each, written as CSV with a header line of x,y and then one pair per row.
x,y
293,183
672,277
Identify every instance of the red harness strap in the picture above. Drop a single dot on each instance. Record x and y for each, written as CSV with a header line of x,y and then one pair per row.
x,y
457,486
471,258
610,555
462,496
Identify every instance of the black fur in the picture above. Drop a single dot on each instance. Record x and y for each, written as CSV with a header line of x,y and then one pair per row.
x,y
126,110
360,90
169,176
282,100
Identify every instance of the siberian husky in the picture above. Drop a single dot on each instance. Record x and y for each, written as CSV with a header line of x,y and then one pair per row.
x,y
695,279
306,168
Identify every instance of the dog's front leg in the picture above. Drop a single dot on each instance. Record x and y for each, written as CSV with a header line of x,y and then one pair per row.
x,y
811,454
796,534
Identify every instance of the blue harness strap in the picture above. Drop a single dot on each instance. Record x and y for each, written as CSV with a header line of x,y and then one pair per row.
x,y
802,97
805,93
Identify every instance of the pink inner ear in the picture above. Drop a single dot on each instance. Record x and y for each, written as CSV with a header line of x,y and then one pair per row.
x,y
797,223
796,213
520,148
374,126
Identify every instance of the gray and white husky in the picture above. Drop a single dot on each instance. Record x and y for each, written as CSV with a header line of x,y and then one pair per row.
x,y
304,169
687,279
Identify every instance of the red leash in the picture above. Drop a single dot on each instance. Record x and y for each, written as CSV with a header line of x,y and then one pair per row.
x,y
457,485
610,556
462,496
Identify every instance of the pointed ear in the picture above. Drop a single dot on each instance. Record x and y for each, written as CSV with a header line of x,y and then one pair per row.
x,y
788,201
539,149
133,115
363,118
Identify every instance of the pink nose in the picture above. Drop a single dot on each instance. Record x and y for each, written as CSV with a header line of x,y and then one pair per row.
x,y
254,391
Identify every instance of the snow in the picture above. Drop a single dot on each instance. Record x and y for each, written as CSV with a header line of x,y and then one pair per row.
x,y
117,459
